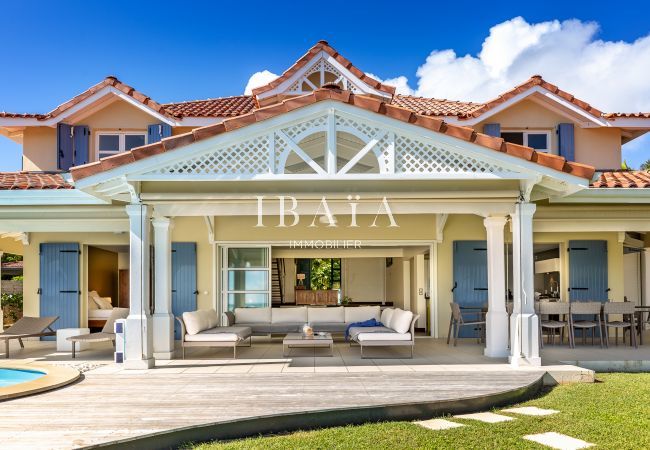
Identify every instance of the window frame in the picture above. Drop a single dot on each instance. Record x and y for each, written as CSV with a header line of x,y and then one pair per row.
x,y
526,132
121,141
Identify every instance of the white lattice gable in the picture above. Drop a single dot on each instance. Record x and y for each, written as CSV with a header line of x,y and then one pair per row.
x,y
322,69
330,140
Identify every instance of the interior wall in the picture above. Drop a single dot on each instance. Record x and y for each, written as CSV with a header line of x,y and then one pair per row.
x,y
632,275
102,273
395,283
364,279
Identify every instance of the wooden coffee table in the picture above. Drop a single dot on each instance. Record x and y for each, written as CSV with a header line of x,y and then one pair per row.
x,y
300,340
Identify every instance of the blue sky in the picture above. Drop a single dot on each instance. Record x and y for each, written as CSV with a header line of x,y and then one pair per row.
x,y
54,50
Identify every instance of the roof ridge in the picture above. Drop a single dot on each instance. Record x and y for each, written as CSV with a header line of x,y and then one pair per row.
x,y
207,99
366,102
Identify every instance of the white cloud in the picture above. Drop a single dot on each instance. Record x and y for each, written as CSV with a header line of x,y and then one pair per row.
x,y
259,79
401,84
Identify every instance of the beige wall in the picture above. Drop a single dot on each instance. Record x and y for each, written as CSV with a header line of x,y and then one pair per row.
x,y
598,147
39,148
398,283
364,279
102,273
10,245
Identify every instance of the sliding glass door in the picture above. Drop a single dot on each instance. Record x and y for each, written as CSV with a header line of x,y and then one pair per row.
x,y
246,277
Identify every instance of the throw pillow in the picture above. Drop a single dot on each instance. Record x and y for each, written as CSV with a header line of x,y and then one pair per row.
x,y
401,321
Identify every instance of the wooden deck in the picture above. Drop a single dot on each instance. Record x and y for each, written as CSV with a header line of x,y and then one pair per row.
x,y
111,407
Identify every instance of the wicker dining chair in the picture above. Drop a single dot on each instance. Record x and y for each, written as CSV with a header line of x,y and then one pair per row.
x,y
457,321
592,323
627,310
546,310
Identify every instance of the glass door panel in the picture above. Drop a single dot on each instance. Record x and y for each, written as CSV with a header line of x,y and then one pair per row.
x,y
246,275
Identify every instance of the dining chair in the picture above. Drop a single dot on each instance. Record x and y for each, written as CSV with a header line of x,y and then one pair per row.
x,y
560,309
457,321
643,319
591,322
627,322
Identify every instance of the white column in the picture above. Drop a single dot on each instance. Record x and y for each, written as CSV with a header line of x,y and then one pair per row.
x,y
139,336
645,276
524,345
496,339
163,319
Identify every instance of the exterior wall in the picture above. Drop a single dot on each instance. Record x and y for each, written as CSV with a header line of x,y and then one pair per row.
x,y
598,147
193,229
102,273
10,245
39,149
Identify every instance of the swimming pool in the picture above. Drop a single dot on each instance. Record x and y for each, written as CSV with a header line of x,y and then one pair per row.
x,y
9,377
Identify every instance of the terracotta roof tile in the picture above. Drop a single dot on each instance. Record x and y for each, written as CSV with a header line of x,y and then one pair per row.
x,y
623,179
303,60
435,107
215,107
640,115
32,180
360,101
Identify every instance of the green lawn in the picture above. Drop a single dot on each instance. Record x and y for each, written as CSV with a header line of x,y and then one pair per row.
x,y
612,413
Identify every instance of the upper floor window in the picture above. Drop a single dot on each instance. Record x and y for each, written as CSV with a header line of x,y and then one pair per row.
x,y
539,140
111,143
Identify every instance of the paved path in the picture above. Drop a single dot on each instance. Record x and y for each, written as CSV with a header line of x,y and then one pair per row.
x,y
107,407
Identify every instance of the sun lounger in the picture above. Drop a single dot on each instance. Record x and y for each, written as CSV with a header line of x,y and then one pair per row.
x,y
107,333
28,327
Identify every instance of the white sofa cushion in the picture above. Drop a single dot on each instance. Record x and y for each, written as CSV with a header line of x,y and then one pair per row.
x,y
401,321
212,316
195,321
386,316
384,337
289,315
252,315
355,314
326,314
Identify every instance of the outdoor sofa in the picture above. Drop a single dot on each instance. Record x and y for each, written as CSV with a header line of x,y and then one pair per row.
x,y
398,329
201,329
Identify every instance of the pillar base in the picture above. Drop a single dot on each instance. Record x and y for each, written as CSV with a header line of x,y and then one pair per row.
x,y
163,335
524,339
163,355
139,364
496,339
518,361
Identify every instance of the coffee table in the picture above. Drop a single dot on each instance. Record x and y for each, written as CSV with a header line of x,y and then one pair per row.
x,y
300,340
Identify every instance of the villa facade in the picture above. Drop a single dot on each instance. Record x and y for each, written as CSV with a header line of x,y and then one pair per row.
x,y
415,202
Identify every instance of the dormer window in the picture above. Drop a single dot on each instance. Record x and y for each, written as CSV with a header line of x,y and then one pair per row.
x,y
114,142
540,140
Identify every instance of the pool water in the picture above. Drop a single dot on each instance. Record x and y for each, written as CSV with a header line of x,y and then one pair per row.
x,y
9,377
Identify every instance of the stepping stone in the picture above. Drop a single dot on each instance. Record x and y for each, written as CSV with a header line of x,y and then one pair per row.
x,y
438,424
558,441
486,417
531,411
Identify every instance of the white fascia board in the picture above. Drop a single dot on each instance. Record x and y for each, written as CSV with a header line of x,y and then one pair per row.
x,y
599,121
526,169
108,90
48,197
607,195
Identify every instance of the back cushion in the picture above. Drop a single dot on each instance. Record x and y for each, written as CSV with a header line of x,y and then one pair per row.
x,y
195,321
386,316
289,315
212,317
361,313
401,321
252,315
322,315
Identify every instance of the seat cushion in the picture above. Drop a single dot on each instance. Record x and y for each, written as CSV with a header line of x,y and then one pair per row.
x,y
286,327
220,334
386,316
258,328
325,315
355,331
289,315
252,315
332,327
365,337
361,313
401,321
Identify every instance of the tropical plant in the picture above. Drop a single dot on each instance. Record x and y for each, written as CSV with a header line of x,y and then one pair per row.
x,y
10,257
321,274
12,306
645,166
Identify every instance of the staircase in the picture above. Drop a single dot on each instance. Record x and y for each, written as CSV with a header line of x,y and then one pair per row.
x,y
277,278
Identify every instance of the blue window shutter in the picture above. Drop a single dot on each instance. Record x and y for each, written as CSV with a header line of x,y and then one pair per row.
x,y
158,131
566,141
65,148
183,280
492,129
588,271
81,140
59,284
470,277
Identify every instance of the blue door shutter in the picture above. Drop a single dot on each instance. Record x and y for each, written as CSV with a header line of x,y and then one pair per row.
x,y
65,147
81,141
470,278
566,141
158,131
183,280
492,129
59,284
588,271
